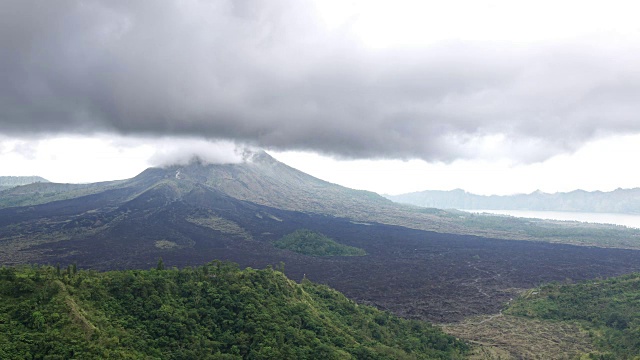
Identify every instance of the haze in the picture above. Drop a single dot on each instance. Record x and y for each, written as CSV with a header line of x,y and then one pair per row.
x,y
493,97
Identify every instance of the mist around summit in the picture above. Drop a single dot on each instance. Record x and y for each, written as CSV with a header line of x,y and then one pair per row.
x,y
286,76
186,151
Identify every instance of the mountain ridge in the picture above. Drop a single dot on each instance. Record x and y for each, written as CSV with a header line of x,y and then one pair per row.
x,y
255,179
626,201
262,180
191,214
8,182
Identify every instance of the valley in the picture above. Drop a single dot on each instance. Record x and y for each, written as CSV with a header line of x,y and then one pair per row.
x,y
220,213
415,274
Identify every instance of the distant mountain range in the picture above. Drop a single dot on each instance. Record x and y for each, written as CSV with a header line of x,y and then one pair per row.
x,y
625,201
7,182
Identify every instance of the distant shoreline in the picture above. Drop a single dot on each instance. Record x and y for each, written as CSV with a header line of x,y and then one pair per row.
x,y
628,220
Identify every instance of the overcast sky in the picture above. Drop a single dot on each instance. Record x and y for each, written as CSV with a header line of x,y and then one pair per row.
x,y
389,96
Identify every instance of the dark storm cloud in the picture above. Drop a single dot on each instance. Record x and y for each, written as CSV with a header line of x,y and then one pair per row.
x,y
266,73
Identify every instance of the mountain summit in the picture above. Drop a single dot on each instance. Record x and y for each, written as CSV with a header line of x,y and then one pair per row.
x,y
263,180
259,178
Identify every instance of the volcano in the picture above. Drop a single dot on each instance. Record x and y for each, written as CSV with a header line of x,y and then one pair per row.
x,y
192,214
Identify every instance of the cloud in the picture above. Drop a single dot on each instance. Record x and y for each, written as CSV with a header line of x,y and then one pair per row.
x,y
275,75
25,149
172,151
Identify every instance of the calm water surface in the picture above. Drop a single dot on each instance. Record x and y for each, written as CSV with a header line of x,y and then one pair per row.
x,y
602,218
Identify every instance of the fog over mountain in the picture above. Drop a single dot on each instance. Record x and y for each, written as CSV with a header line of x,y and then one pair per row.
x,y
196,150
285,75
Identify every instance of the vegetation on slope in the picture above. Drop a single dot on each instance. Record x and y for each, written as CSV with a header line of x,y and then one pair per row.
x,y
307,242
216,311
223,225
608,309
554,231
502,336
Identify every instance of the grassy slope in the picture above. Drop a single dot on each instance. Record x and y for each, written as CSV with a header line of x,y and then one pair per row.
x,y
597,319
608,309
514,228
514,337
216,312
42,193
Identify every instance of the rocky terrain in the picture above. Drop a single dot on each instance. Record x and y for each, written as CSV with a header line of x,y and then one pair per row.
x,y
190,215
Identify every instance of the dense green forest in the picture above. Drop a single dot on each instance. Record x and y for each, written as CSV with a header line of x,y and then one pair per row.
x,y
307,242
216,311
608,309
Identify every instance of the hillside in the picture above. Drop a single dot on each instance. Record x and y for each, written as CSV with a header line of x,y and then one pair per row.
x,y
311,243
45,193
262,180
618,201
8,182
211,312
596,319
609,310
186,215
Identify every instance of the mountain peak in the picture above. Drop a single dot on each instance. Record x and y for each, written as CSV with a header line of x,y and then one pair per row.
x,y
258,156
203,159
261,179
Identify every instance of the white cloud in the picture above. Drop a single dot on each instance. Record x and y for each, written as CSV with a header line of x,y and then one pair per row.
x,y
182,151
603,165
305,75
514,95
81,159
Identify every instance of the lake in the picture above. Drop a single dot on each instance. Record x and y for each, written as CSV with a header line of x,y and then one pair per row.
x,y
601,218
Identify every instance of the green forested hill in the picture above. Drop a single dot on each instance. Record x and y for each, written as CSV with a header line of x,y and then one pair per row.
x,y
212,312
307,242
608,309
